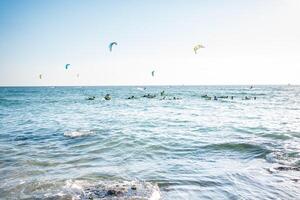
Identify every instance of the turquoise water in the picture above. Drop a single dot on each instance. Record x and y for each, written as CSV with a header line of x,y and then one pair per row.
x,y
53,142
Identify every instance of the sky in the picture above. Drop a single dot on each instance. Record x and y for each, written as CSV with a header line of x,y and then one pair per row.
x,y
246,42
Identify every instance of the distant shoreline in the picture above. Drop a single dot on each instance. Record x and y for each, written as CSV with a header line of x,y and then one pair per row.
x,y
208,85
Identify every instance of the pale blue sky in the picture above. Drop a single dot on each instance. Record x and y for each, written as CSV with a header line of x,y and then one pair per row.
x,y
247,42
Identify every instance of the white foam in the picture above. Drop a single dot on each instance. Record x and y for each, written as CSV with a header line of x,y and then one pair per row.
x,y
141,89
79,189
78,185
80,133
155,195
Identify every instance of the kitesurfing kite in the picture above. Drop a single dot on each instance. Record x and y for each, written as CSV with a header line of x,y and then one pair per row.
x,y
67,65
152,73
111,45
40,76
197,47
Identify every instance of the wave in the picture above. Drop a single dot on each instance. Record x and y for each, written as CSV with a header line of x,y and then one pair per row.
x,y
85,189
78,133
258,150
112,190
284,158
122,190
141,88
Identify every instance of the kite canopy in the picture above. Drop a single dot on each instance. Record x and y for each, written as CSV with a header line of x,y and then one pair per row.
x,y
67,65
197,47
152,73
111,45
40,76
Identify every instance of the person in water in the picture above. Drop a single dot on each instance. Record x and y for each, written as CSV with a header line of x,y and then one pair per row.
x,y
162,93
91,98
107,97
149,96
132,97
215,98
231,97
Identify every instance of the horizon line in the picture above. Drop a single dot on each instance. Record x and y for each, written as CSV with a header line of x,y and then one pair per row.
x,y
129,85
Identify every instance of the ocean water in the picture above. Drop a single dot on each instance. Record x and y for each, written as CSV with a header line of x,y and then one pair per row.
x,y
55,144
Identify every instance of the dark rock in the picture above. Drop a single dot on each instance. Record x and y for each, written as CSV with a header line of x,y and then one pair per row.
x,y
133,187
121,190
295,180
287,168
111,192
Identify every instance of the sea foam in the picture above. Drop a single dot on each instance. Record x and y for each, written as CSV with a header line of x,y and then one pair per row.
x,y
78,133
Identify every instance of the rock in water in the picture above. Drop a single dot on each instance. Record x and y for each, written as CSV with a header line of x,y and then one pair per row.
x,y
122,191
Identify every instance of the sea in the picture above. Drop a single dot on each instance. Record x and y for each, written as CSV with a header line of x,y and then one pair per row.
x,y
179,142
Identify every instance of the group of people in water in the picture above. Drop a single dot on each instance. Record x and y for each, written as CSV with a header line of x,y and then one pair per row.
x,y
149,96
152,96
163,96
224,97
106,97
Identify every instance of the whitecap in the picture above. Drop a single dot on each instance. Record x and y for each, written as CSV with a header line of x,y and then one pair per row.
x,y
78,133
141,89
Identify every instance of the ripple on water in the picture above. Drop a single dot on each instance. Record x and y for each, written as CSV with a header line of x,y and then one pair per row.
x,y
192,148
256,151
